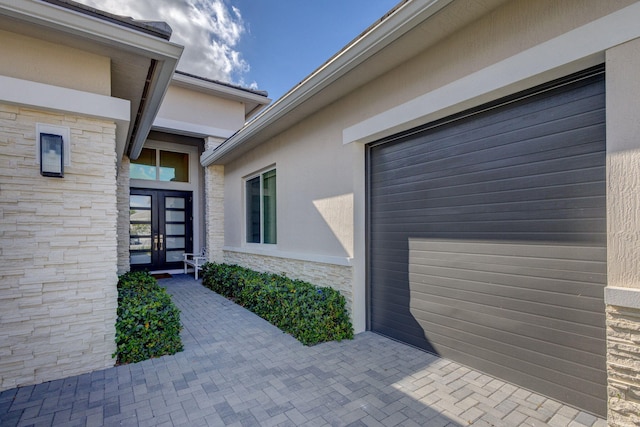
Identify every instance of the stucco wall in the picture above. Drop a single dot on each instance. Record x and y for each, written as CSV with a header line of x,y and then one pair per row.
x,y
40,61
58,251
189,106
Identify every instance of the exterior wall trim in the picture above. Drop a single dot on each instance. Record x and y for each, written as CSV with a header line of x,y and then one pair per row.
x,y
49,97
622,297
573,51
321,259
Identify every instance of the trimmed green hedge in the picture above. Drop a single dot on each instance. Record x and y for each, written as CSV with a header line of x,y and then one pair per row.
x,y
309,313
148,323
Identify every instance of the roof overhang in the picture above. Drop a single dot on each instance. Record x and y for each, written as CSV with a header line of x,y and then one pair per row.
x,y
335,78
142,64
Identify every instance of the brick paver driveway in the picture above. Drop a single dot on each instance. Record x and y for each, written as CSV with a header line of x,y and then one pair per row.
x,y
238,370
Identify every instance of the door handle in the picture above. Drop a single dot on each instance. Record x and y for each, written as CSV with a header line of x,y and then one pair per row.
x,y
161,241
155,242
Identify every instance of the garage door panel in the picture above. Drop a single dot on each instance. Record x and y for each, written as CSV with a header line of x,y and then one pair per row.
x,y
510,168
493,333
566,280
438,254
502,153
439,199
580,207
529,324
487,239
558,117
516,298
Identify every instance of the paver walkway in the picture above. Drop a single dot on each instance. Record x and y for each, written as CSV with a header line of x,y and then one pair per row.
x,y
238,370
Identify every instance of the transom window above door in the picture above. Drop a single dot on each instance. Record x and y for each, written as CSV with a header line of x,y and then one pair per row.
x,y
160,165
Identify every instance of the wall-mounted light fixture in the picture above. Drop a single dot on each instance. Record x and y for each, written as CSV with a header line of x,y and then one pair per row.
x,y
51,155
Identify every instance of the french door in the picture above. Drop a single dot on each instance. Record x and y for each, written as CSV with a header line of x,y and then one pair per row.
x,y
160,228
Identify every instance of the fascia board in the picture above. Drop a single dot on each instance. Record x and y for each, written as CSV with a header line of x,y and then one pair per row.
x,y
89,27
160,85
390,29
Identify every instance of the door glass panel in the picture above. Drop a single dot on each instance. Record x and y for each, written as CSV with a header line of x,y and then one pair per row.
x,y
174,166
174,202
140,215
175,256
140,229
139,243
175,216
140,258
175,229
175,242
140,201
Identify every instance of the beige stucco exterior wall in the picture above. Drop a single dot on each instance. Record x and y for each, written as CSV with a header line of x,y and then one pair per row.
x,y
40,61
182,105
58,251
623,234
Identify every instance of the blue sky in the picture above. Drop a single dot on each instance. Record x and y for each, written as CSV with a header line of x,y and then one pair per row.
x,y
288,39
262,44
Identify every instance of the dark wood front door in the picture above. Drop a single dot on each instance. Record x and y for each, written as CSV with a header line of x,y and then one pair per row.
x,y
160,228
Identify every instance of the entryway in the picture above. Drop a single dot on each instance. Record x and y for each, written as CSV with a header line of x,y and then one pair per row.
x,y
161,228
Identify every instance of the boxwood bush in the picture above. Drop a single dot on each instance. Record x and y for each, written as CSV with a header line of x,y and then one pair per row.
x,y
309,313
148,323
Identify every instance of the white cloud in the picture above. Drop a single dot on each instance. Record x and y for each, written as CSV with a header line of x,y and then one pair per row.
x,y
209,29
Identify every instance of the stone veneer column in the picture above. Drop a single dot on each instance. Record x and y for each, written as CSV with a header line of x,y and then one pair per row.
x,y
622,295
58,246
123,216
214,205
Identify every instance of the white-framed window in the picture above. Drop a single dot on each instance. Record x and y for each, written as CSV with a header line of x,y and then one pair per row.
x,y
260,208
160,165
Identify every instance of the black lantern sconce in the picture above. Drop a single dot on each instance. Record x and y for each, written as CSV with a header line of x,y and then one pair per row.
x,y
51,155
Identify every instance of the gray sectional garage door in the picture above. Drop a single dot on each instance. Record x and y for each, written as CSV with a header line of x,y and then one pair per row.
x,y
487,239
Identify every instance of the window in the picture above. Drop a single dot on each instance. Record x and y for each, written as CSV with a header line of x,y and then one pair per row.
x,y
160,165
261,208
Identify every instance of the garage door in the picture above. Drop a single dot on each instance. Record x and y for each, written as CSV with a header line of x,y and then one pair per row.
x,y
487,239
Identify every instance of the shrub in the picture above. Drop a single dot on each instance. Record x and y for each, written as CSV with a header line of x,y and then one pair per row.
x,y
309,313
148,323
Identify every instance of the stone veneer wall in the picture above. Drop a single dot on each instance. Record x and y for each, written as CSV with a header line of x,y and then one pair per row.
x,y
334,276
58,251
123,216
214,205
623,366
